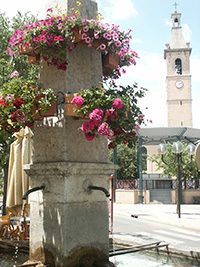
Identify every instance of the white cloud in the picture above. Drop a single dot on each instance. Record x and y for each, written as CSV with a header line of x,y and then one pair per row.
x,y
168,22
149,67
195,67
155,100
134,41
150,72
186,32
120,10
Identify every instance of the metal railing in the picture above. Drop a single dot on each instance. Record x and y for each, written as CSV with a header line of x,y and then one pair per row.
x,y
149,184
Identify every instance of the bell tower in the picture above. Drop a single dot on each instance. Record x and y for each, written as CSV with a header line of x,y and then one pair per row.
x,y
178,79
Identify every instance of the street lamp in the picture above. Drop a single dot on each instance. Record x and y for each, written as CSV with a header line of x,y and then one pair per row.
x,y
177,148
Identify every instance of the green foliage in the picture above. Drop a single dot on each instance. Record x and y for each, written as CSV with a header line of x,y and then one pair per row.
x,y
18,62
187,171
17,100
8,65
126,161
122,121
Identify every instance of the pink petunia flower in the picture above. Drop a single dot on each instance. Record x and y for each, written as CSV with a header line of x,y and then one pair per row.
x,y
61,38
137,126
118,44
56,38
60,26
85,29
9,96
102,46
35,39
123,71
87,39
14,74
83,36
43,33
49,9
42,38
27,44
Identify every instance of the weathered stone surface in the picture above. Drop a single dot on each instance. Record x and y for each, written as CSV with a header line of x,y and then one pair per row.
x,y
83,71
67,217
88,9
62,141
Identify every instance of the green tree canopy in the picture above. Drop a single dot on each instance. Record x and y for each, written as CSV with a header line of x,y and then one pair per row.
x,y
8,65
126,161
19,63
187,171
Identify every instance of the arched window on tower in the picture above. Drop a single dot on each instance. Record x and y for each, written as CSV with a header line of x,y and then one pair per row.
x,y
178,66
176,22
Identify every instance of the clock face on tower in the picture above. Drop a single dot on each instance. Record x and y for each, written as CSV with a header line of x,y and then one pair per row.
x,y
179,84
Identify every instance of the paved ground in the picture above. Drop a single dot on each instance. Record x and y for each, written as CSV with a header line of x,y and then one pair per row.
x,y
189,223
162,213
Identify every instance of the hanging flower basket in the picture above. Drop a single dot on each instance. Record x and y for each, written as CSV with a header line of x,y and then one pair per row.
x,y
35,60
69,108
88,40
112,113
110,62
37,111
58,32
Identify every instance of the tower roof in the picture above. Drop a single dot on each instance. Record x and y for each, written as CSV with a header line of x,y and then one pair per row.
x,y
177,40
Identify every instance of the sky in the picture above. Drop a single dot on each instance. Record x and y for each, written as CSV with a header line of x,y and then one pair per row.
x,y
150,21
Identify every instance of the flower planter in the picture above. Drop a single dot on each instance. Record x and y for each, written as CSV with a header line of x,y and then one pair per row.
x,y
51,109
110,62
69,108
34,59
26,50
77,39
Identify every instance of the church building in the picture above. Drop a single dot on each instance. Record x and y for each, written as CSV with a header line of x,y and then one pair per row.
x,y
179,103
178,79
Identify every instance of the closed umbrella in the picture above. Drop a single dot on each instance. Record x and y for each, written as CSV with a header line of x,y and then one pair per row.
x,y
18,180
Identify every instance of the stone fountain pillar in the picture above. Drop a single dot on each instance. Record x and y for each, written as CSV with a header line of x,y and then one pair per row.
x,y
69,224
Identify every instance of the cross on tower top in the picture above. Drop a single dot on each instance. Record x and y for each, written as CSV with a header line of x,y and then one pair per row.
x,y
175,4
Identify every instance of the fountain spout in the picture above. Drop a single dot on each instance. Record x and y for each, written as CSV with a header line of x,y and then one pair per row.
x,y
92,187
32,190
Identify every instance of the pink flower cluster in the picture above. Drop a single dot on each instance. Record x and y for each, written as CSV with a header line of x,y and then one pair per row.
x,y
77,100
96,123
118,103
95,117
51,36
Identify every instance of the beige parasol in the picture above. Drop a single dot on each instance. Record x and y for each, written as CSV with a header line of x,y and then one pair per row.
x,y
18,181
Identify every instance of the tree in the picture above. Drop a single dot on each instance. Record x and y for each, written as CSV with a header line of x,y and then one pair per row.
x,y
126,161
9,64
187,171
19,63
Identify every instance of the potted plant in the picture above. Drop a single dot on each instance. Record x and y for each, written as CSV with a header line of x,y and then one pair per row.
x,y
113,112
49,38
72,104
17,103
